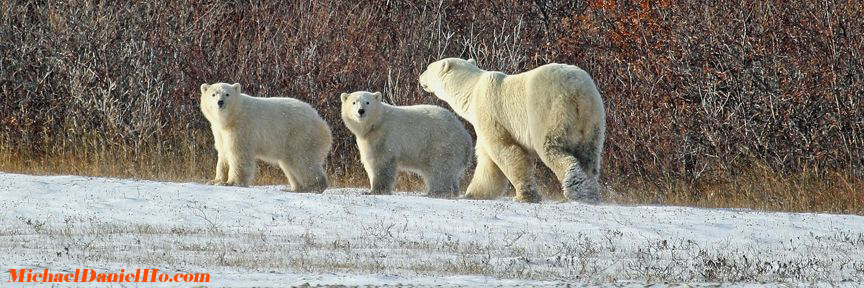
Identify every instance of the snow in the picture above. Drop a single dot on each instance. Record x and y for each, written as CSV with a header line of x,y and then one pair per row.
x,y
262,236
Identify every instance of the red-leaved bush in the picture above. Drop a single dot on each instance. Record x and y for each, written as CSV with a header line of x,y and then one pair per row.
x,y
693,89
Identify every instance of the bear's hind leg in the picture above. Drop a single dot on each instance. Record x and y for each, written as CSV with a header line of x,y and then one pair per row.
x,y
441,185
320,178
292,180
313,178
575,167
488,181
305,177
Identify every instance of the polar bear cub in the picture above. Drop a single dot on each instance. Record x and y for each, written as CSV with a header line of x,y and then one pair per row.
x,y
424,139
553,111
281,131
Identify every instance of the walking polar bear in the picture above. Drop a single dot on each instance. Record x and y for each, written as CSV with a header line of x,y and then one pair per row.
x,y
281,131
424,139
554,112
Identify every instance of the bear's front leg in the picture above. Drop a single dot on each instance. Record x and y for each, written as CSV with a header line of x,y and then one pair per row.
x,y
382,175
488,181
221,164
221,171
241,165
516,164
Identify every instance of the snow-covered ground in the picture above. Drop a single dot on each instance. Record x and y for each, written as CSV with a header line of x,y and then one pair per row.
x,y
262,236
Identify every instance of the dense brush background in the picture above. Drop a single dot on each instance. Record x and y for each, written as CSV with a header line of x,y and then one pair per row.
x,y
745,103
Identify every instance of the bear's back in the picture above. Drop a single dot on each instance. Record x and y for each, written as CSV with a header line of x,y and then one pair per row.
x,y
424,132
427,121
285,102
282,107
548,75
424,111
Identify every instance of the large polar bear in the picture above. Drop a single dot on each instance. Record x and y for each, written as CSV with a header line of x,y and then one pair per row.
x,y
424,139
280,131
554,112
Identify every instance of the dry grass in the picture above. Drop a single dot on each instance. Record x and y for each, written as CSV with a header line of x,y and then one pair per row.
x,y
758,188
171,166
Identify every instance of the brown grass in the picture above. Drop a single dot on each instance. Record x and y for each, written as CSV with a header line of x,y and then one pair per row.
x,y
759,188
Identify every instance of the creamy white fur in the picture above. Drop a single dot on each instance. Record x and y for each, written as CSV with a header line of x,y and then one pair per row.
x,y
424,139
281,131
553,112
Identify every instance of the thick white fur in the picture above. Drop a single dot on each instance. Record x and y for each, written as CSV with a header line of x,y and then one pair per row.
x,y
281,131
553,112
424,139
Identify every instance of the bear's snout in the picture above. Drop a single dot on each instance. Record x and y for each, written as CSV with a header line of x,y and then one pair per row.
x,y
361,111
220,103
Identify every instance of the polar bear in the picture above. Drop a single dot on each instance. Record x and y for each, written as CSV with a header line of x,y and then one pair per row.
x,y
424,139
281,131
554,112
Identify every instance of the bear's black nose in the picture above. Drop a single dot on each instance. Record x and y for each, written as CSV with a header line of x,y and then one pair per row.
x,y
220,103
361,111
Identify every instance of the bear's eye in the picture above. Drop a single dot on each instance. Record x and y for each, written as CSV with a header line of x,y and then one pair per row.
x,y
214,94
354,103
367,102
226,94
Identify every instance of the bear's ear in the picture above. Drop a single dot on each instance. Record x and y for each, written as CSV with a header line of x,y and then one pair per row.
x,y
344,96
377,96
236,87
445,66
472,61
204,87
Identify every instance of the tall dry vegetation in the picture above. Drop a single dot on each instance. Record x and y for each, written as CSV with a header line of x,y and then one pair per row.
x,y
743,103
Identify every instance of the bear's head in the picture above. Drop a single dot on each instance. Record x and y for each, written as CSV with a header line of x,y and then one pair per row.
x,y
450,80
438,73
361,109
219,98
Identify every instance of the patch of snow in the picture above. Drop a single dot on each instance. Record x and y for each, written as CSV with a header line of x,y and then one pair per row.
x,y
261,236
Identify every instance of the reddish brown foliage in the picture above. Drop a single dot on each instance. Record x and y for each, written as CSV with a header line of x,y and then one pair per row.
x,y
692,89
